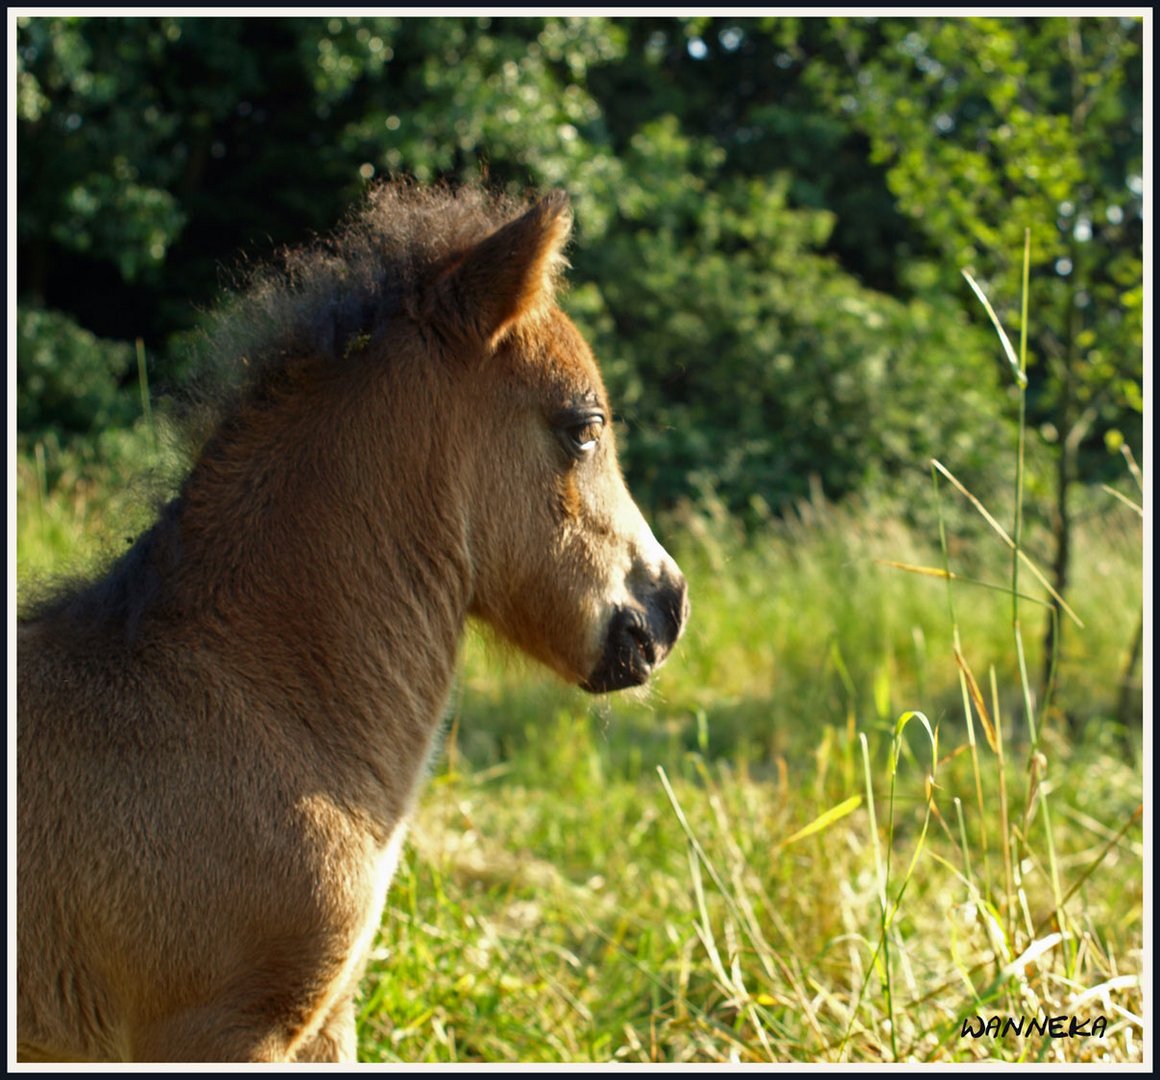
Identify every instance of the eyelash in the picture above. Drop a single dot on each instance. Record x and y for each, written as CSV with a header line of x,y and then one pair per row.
x,y
582,436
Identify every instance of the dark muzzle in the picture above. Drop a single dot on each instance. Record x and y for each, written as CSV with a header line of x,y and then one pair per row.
x,y
639,639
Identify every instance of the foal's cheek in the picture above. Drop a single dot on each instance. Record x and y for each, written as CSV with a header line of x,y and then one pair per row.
x,y
569,503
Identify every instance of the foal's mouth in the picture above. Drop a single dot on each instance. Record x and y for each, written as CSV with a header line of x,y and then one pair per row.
x,y
630,655
638,642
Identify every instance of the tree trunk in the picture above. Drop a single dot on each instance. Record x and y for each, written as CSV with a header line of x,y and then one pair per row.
x,y
1068,436
1060,566
1128,682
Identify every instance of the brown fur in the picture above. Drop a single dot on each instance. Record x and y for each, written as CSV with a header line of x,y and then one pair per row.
x,y
219,742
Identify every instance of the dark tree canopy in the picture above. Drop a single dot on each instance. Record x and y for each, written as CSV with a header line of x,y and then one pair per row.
x,y
772,216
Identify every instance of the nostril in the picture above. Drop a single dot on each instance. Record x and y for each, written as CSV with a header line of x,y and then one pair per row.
x,y
635,627
673,606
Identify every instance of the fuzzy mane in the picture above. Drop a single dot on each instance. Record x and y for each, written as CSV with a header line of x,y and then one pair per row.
x,y
321,302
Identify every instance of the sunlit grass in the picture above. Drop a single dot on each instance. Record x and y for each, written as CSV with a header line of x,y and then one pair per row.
x,y
770,855
557,908
809,883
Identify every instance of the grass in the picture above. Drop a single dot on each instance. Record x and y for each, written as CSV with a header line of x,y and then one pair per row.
x,y
563,900
838,825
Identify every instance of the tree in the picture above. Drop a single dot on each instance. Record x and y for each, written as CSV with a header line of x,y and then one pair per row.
x,y
992,126
770,295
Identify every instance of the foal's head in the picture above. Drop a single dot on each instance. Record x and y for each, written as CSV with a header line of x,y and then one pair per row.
x,y
563,563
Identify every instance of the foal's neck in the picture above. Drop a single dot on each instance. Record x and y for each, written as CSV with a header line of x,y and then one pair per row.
x,y
331,560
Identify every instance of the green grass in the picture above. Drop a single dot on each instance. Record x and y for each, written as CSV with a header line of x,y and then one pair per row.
x,y
838,824
552,905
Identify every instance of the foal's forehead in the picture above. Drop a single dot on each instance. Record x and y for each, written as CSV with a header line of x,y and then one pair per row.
x,y
561,361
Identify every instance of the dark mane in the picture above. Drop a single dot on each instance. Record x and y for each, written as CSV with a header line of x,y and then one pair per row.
x,y
320,302
106,608
315,304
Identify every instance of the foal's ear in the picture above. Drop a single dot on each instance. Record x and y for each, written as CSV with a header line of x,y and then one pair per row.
x,y
504,278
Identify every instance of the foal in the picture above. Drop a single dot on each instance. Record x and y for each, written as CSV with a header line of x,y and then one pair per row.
x,y
219,742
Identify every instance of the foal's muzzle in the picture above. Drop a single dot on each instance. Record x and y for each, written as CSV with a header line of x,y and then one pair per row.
x,y
639,638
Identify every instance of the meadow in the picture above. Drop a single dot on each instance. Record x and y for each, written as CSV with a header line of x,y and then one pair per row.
x,y
859,816
823,834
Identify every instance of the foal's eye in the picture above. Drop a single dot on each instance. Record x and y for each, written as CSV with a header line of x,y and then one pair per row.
x,y
581,437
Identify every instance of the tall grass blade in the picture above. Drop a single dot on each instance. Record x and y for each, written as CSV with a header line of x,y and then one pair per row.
x,y
879,865
1133,468
824,821
1019,553
1004,817
977,698
950,575
964,690
1123,498
41,484
1012,359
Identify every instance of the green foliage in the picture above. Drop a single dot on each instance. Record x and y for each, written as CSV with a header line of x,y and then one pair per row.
x,y
508,93
67,380
95,178
745,360
772,213
989,127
